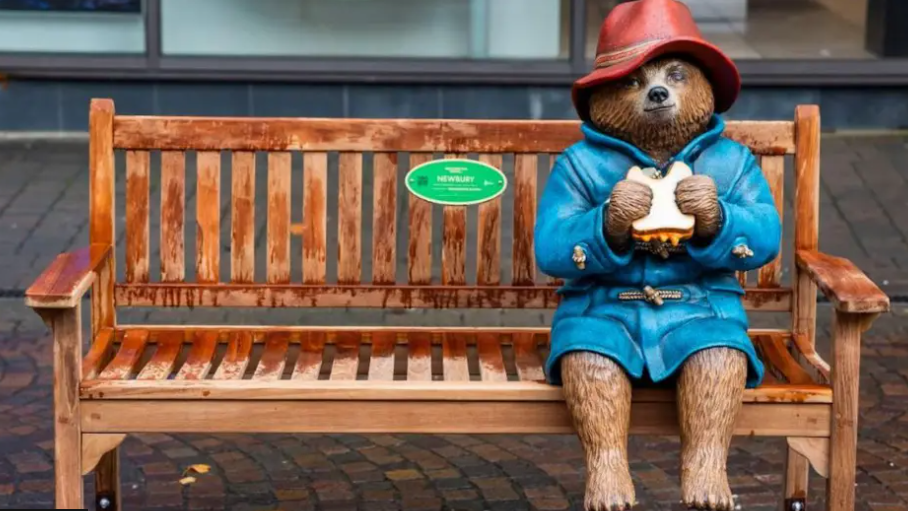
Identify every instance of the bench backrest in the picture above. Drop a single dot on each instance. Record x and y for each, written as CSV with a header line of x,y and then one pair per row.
x,y
392,147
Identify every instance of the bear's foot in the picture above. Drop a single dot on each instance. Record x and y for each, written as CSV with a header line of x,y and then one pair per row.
x,y
706,489
610,489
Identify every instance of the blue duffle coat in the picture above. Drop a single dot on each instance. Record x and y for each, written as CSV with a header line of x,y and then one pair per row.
x,y
704,309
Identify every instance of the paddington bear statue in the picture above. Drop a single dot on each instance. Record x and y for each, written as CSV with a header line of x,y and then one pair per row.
x,y
654,310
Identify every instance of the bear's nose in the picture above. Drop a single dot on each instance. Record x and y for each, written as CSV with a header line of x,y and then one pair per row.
x,y
658,94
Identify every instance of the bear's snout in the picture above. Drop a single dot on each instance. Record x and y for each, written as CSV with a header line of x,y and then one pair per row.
x,y
658,94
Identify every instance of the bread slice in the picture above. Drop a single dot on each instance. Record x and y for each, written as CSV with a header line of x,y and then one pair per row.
x,y
665,221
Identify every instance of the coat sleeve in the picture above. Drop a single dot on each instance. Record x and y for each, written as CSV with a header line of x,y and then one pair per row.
x,y
569,221
749,218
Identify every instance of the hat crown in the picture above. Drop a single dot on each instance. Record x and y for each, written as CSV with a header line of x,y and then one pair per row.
x,y
641,21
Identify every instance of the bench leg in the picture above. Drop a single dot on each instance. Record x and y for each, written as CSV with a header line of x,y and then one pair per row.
x,y
67,331
846,343
107,482
797,471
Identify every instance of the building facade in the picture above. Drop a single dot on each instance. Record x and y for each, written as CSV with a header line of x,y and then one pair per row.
x,y
420,58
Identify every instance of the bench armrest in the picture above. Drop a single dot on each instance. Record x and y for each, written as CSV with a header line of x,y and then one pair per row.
x,y
66,280
843,283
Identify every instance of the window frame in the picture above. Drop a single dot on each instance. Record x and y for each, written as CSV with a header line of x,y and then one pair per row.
x,y
153,65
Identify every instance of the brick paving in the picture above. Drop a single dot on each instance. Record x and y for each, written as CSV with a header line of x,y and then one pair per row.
x,y
43,206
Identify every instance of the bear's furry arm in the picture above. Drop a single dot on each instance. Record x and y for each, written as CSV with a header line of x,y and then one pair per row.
x,y
567,218
749,218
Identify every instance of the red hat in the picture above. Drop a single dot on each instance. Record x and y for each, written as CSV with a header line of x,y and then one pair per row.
x,y
635,33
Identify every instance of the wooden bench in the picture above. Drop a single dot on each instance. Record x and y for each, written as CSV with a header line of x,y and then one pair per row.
x,y
420,379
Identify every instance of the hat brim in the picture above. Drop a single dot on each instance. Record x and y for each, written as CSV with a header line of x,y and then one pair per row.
x,y
719,69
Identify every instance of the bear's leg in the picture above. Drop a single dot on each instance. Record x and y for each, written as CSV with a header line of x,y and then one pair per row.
x,y
709,398
598,396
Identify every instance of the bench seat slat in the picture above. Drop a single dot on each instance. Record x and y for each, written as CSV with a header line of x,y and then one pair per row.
x,y
123,365
236,359
274,358
526,357
346,358
419,361
162,363
491,362
381,364
100,348
309,364
198,363
454,357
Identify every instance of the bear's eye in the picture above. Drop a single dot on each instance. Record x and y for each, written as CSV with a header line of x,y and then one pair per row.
x,y
676,75
631,82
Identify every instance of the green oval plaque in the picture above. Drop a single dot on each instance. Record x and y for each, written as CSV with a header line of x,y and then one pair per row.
x,y
456,182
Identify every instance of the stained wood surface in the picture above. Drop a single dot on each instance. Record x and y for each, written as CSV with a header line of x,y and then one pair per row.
x,y
491,362
271,365
797,473
242,218
315,193
843,283
350,220
384,218
454,246
846,353
419,253
773,167
279,218
806,210
198,363
523,259
488,246
208,217
94,447
287,416
775,353
137,216
124,364
101,178
526,356
309,362
381,363
67,332
454,357
346,356
236,358
68,277
99,353
419,357
406,296
164,359
173,204
357,135
816,450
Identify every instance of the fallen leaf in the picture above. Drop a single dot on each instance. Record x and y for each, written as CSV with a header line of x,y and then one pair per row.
x,y
187,480
200,468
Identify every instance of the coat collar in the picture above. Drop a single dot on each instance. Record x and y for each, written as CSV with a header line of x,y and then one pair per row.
x,y
690,152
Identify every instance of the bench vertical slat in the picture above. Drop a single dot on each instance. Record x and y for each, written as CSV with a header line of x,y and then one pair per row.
x,y
807,221
198,363
165,357
774,170
488,246
742,278
346,356
208,217
454,242
173,199
137,221
419,253
315,192
381,364
236,359
384,218
419,362
242,218
553,158
491,362
526,357
454,357
524,262
123,366
102,209
309,364
274,358
279,218
350,218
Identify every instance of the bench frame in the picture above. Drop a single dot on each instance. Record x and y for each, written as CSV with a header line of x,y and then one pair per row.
x,y
92,414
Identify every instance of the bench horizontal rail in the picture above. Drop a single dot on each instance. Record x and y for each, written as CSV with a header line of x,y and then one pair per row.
x,y
376,296
424,417
449,136
327,390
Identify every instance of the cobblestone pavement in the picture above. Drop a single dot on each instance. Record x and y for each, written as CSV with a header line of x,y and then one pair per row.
x,y
43,206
